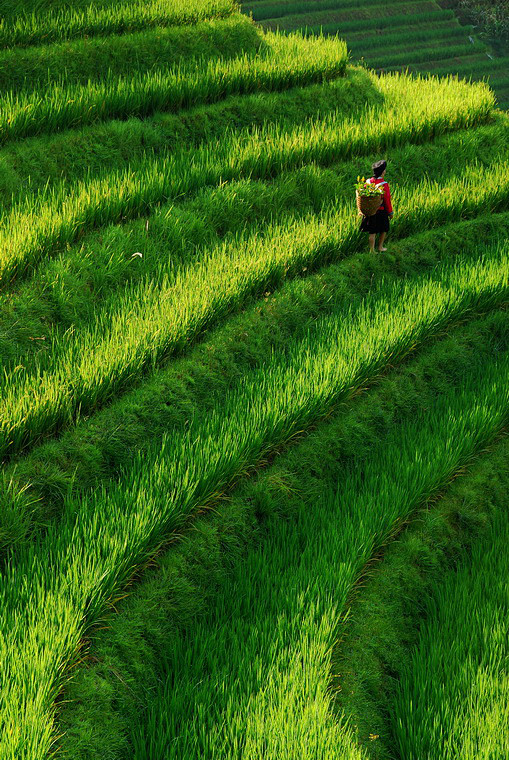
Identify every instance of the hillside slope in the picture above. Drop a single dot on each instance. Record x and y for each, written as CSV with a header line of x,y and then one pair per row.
x,y
421,36
214,399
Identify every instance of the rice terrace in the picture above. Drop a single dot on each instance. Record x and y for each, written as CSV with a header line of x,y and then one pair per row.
x,y
254,406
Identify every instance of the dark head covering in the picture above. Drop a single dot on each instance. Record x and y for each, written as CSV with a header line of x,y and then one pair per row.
x,y
379,168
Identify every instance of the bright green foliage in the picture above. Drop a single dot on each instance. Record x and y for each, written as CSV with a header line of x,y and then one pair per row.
x,y
144,325
88,562
258,654
281,62
138,263
453,700
89,59
394,27
43,225
64,21
103,445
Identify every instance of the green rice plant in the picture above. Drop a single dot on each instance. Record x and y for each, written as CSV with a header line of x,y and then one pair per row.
x,y
274,10
83,60
388,58
418,111
269,634
405,38
70,575
70,22
80,284
109,700
453,698
382,22
425,29
281,62
353,13
100,447
485,68
151,321
32,165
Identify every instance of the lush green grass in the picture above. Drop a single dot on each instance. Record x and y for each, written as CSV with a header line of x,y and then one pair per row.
x,y
64,22
81,285
392,601
453,698
101,447
89,565
380,23
34,164
353,13
369,25
280,62
256,651
222,215
61,216
390,58
90,59
144,325
420,35
271,10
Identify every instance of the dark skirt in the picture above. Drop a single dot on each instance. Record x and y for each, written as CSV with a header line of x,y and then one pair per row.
x,y
379,222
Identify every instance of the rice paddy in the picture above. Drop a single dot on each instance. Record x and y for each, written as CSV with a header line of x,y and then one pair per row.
x,y
414,36
218,408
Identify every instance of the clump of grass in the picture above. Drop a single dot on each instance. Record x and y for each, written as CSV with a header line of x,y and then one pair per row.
x,y
453,695
45,224
91,59
30,26
280,62
195,584
89,564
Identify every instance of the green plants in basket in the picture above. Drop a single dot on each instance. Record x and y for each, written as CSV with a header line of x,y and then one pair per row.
x,y
369,196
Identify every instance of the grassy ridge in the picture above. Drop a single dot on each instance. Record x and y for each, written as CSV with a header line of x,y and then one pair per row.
x,y
281,62
262,11
89,564
55,221
35,487
89,59
183,594
453,699
380,23
82,284
34,164
144,326
278,643
32,27
403,38
270,641
398,594
353,12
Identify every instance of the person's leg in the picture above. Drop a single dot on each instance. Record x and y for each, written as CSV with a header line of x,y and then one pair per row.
x,y
383,235
372,239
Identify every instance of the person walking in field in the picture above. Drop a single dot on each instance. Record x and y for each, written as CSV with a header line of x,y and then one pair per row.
x,y
379,223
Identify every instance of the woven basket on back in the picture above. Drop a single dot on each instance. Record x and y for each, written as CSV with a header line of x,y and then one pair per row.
x,y
368,206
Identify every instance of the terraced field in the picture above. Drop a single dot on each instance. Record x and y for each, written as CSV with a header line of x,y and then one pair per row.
x,y
418,35
218,410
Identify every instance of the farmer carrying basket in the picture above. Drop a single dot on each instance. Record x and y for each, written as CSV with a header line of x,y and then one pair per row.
x,y
374,204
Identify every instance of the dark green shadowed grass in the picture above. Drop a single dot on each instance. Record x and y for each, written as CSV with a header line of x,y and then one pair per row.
x,y
100,447
90,566
33,24
396,600
452,699
230,575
